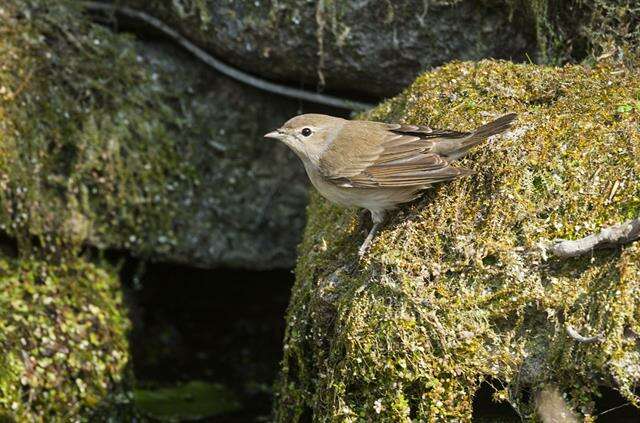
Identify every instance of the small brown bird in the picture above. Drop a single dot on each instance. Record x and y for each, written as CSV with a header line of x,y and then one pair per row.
x,y
375,165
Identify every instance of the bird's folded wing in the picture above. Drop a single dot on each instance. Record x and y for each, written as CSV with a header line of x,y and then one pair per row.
x,y
424,132
392,155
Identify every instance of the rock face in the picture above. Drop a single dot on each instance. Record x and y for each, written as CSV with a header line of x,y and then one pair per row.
x,y
378,47
458,287
245,207
374,47
575,30
134,146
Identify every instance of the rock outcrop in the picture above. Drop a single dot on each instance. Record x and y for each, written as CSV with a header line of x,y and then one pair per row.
x,y
378,47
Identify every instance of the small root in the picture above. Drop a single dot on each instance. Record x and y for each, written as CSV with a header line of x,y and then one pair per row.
x,y
583,339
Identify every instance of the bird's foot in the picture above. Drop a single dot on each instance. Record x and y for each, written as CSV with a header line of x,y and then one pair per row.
x,y
362,221
364,248
366,245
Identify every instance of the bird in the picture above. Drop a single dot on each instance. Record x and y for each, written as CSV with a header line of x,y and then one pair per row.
x,y
375,165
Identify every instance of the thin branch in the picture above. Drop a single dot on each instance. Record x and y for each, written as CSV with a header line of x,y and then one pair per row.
x,y
626,404
623,233
584,339
225,69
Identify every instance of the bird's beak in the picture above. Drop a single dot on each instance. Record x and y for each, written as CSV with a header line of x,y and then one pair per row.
x,y
277,134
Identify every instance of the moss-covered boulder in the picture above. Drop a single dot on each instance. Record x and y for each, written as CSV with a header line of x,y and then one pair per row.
x,y
63,337
130,146
458,288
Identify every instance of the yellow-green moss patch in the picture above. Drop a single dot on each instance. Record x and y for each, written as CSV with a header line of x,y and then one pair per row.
x,y
63,337
457,288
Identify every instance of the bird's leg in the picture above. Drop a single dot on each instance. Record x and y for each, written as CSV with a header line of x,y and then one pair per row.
x,y
378,218
362,221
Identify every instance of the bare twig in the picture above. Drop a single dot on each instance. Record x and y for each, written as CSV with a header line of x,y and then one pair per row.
x,y
223,68
624,233
584,339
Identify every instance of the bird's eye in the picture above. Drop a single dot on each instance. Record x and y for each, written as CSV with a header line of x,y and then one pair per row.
x,y
306,132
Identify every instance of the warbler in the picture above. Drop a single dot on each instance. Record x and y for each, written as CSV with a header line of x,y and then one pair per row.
x,y
375,165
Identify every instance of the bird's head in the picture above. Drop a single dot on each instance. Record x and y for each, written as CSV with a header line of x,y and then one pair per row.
x,y
308,135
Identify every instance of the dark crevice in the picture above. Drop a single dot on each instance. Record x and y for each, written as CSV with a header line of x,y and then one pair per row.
x,y
610,406
222,326
485,409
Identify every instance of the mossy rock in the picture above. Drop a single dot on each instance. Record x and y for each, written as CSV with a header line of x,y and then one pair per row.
x,y
379,47
85,146
63,336
375,47
458,288
134,146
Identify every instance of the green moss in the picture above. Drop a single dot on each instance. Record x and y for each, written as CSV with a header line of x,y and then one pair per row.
x,y
193,400
190,8
88,144
64,342
582,29
458,288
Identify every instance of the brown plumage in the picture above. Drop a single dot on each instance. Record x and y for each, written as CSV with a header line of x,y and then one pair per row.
x,y
376,165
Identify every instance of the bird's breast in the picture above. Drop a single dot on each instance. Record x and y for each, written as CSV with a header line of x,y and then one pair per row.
x,y
328,190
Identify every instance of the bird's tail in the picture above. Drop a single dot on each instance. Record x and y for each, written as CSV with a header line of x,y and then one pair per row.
x,y
485,131
493,128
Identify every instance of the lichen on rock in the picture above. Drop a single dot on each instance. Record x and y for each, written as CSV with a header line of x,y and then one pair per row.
x,y
63,337
458,288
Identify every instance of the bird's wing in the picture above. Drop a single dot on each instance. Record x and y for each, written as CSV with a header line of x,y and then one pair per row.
x,y
389,155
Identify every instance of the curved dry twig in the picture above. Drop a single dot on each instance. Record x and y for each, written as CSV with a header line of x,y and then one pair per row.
x,y
223,68
612,236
